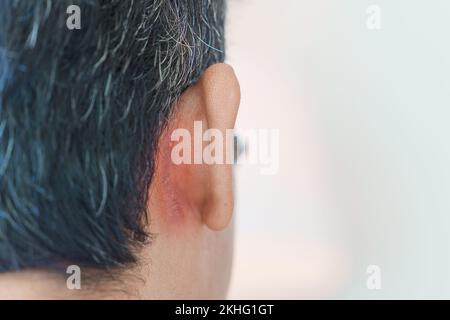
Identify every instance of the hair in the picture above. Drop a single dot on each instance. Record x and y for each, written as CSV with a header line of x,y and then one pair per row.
x,y
81,113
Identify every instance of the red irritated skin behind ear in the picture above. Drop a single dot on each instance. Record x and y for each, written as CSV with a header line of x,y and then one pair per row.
x,y
198,193
191,205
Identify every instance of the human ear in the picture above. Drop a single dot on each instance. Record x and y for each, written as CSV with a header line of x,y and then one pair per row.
x,y
193,177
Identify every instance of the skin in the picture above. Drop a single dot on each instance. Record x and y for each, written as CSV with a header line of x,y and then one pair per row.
x,y
191,218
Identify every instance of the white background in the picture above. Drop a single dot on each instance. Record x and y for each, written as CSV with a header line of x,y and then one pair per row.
x,y
364,173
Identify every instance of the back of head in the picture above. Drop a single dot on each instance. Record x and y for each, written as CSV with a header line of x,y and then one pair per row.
x,y
81,112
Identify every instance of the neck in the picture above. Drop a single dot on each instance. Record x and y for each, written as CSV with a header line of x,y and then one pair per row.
x,y
44,285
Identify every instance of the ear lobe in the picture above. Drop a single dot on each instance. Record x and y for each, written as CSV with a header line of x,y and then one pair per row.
x,y
199,191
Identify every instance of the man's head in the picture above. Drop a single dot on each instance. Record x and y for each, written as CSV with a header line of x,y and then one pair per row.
x,y
86,116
